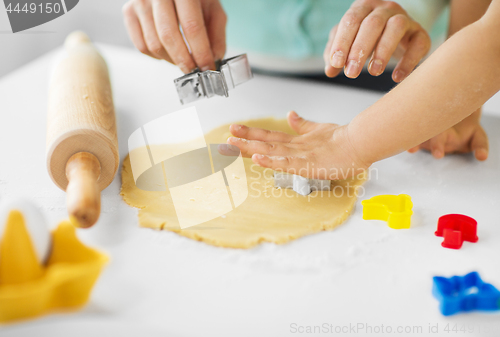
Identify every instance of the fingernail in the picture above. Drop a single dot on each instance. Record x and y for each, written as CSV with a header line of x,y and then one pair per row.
x,y
228,150
352,69
481,154
376,67
399,76
438,154
233,139
185,69
337,60
237,127
205,68
260,156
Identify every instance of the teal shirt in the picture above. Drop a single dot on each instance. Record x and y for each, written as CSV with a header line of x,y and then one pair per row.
x,y
290,28
298,29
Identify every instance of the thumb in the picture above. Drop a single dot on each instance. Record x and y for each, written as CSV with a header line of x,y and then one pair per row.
x,y
479,145
299,124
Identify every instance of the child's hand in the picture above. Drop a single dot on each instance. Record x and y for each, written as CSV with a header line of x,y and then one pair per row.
x,y
467,136
153,26
320,151
375,28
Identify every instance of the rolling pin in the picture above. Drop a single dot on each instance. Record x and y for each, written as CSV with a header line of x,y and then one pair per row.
x,y
82,145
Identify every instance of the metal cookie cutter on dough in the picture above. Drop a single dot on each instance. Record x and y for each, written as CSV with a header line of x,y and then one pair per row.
x,y
197,84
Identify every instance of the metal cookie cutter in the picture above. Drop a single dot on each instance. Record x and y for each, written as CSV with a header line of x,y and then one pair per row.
x,y
197,84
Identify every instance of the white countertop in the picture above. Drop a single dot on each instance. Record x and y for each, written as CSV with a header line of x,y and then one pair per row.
x,y
159,283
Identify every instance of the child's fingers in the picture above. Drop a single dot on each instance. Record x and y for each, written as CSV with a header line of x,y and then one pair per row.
x,y
346,33
479,145
394,31
242,131
414,149
418,47
369,33
165,19
250,147
228,150
293,165
299,124
437,145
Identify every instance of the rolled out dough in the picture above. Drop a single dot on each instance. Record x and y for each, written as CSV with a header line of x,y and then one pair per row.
x,y
268,214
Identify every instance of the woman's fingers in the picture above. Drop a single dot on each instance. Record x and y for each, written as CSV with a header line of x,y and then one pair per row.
x,y
242,131
374,27
347,31
134,28
153,26
329,70
165,19
191,19
418,46
144,12
215,20
250,147
368,35
394,31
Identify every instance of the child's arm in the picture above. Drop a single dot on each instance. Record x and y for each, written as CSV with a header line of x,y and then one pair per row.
x,y
468,135
449,86
453,83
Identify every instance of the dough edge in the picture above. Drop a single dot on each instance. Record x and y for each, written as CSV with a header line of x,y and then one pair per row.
x,y
148,221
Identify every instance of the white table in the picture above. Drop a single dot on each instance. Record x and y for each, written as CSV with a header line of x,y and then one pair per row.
x,y
159,283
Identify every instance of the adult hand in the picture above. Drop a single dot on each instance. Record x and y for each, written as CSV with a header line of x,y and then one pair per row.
x,y
376,29
153,26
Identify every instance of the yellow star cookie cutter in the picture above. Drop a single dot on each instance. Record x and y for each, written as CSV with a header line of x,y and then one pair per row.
x,y
396,210
28,288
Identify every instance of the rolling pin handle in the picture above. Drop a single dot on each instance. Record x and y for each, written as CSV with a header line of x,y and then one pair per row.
x,y
83,195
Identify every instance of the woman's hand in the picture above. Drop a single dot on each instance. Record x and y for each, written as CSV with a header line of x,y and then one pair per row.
x,y
153,26
375,28
467,136
320,151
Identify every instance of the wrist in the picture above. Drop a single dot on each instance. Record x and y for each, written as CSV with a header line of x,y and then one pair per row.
x,y
475,116
472,119
357,158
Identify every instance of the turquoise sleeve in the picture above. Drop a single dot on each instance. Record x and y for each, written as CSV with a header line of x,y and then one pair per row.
x,y
290,28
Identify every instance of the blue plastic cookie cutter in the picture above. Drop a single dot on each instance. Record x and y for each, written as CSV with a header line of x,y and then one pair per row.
x,y
465,293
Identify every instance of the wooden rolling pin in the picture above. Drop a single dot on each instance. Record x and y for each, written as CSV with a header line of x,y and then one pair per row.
x,y
82,146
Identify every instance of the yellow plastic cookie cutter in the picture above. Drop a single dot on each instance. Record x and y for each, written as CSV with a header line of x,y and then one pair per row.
x,y
396,210
65,282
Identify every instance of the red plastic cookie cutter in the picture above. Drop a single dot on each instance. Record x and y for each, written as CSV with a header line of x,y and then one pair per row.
x,y
456,228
